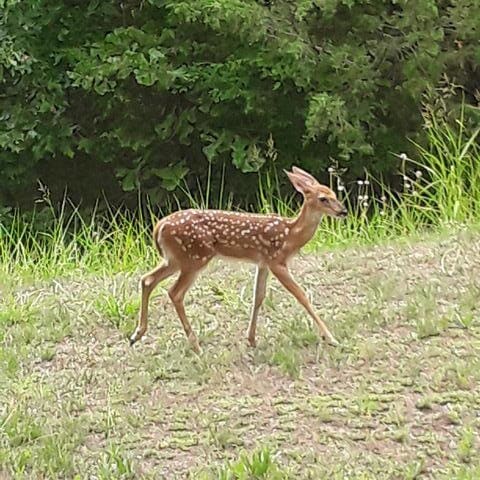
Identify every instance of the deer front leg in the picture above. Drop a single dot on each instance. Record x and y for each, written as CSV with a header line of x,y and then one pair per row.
x,y
260,289
285,278
148,283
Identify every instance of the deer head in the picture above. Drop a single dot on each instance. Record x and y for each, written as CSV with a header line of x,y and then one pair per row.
x,y
319,198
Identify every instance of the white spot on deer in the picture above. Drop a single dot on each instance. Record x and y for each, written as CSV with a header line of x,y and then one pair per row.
x,y
286,231
178,240
264,240
184,248
245,232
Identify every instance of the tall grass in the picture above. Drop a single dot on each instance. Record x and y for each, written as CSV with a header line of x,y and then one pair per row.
x,y
439,188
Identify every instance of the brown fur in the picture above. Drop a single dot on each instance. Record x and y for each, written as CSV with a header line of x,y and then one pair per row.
x,y
189,239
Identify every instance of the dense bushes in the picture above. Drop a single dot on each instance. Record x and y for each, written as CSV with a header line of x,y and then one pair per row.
x,y
113,97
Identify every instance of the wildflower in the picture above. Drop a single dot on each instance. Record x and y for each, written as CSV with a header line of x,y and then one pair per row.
x,y
365,204
418,173
383,198
360,182
366,182
341,188
360,198
407,186
330,169
403,156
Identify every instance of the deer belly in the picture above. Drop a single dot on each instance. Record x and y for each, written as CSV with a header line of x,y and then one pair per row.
x,y
238,252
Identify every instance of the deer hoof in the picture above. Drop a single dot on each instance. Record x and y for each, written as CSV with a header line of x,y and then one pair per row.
x,y
252,342
332,342
136,336
194,344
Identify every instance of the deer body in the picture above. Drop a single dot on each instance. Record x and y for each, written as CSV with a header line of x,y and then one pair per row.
x,y
189,239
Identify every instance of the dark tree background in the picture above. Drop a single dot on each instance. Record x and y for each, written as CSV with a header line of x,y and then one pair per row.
x,y
112,97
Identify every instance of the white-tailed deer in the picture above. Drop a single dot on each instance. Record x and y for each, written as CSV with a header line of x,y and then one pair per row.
x,y
189,239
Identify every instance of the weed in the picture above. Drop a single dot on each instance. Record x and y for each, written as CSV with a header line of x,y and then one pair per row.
x,y
414,469
287,359
466,445
115,464
259,465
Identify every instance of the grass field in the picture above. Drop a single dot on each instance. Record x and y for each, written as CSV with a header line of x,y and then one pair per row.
x,y
400,398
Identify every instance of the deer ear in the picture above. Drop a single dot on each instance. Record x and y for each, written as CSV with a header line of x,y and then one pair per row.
x,y
301,183
305,174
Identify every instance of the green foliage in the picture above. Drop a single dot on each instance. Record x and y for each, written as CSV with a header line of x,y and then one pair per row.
x,y
140,95
259,465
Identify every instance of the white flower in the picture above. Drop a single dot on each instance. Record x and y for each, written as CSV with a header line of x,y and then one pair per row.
x,y
366,182
365,204
383,198
330,169
360,182
365,197
407,185
418,173
341,188
403,156
360,198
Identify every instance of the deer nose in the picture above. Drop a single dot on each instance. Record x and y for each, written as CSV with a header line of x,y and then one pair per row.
x,y
343,213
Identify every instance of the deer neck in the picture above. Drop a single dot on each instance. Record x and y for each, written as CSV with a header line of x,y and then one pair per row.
x,y
305,225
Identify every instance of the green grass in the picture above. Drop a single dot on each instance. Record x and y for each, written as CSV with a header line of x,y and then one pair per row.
x,y
397,399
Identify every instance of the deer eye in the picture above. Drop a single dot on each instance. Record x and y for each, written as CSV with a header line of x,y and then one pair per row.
x,y
323,199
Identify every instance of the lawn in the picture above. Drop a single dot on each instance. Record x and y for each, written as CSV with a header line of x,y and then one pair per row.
x,y
400,397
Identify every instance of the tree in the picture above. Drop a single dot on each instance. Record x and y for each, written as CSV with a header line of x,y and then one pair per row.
x,y
144,93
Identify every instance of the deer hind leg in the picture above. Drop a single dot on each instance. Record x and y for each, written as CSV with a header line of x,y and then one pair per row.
x,y
285,278
260,289
148,283
177,294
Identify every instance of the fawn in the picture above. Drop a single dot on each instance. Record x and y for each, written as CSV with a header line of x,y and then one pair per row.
x,y
189,239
